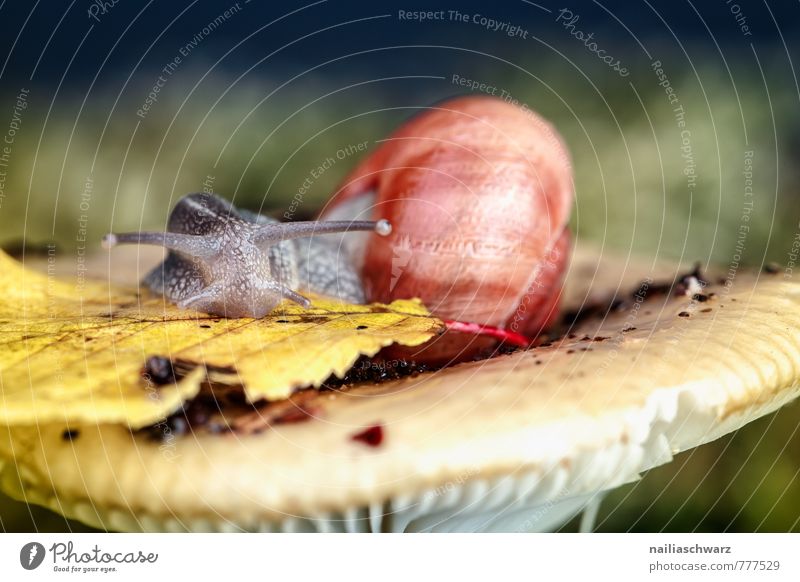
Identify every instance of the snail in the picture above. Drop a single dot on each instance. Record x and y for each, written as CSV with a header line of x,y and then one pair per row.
x,y
231,262
479,193
474,197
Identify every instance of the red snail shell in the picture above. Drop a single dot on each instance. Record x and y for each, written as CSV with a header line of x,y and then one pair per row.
x,y
479,193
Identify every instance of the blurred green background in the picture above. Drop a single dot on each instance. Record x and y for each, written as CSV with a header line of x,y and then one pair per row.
x,y
631,190
255,107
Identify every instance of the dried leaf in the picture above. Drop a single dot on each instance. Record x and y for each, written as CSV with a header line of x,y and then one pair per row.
x,y
72,353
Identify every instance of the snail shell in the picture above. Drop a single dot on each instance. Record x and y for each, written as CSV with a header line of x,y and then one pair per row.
x,y
479,193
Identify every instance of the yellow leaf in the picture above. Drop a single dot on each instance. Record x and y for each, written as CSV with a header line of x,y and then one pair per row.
x,y
77,352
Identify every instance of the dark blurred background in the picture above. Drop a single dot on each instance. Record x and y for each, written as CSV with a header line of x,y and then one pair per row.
x,y
111,111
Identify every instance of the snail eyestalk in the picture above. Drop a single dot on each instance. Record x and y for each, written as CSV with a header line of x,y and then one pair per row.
x,y
188,244
274,233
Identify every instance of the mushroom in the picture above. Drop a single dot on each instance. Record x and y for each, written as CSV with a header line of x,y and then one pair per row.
x,y
518,442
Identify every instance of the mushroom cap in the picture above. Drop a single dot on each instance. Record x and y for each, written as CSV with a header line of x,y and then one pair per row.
x,y
516,442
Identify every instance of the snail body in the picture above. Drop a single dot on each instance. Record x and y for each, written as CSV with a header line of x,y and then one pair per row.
x,y
234,263
479,193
